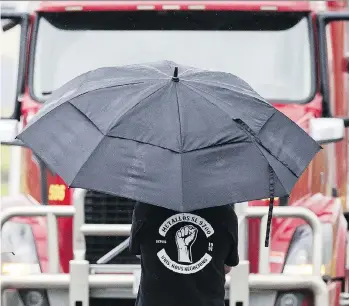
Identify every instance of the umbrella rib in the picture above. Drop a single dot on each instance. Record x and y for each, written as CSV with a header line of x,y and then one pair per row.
x,y
181,145
249,131
201,95
58,101
153,68
61,102
87,159
81,112
101,88
70,100
142,142
179,121
219,84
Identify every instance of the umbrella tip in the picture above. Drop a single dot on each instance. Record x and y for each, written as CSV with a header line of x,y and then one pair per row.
x,y
175,75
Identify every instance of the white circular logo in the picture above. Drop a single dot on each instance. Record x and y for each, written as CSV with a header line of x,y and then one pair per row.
x,y
187,244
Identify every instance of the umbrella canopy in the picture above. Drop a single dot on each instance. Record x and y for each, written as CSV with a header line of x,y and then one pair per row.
x,y
174,136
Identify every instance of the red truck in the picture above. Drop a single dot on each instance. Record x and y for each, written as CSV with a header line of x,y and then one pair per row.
x,y
294,53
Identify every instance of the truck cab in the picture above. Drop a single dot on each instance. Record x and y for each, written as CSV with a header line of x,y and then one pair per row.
x,y
294,53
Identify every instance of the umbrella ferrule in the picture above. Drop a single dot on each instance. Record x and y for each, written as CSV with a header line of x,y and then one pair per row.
x,y
175,77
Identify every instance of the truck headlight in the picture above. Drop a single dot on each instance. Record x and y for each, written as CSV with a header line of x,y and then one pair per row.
x,y
288,299
299,257
18,250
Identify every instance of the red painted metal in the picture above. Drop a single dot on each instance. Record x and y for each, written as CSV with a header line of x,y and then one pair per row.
x,y
59,6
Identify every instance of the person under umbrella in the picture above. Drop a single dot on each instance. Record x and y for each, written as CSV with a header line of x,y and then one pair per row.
x,y
184,256
177,137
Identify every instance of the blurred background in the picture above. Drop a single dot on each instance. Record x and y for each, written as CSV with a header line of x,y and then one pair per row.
x,y
270,46
9,51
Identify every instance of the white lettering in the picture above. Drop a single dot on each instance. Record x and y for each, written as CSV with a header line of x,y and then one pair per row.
x,y
183,269
186,217
161,241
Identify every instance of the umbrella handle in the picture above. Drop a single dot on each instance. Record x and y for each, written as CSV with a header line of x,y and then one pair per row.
x,y
271,204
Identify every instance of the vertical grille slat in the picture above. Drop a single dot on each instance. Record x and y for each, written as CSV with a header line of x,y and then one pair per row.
x,y
102,208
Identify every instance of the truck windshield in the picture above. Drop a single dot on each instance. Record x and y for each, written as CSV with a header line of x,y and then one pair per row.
x,y
271,51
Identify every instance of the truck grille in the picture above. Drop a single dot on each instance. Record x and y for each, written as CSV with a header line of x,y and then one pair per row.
x,y
101,208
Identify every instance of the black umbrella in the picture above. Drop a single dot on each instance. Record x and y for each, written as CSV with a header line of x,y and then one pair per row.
x,y
174,136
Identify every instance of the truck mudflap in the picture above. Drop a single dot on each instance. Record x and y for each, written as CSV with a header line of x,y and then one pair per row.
x,y
85,280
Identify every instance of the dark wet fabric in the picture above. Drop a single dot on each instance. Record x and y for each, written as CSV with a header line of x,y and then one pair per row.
x,y
201,139
183,254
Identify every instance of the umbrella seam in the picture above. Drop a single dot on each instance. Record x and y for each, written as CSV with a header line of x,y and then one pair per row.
x,y
142,142
286,189
179,121
181,145
84,93
200,94
249,87
218,84
81,112
191,69
60,101
87,159
169,149
197,92
153,68
217,145
101,88
284,163
233,88
134,106
255,138
70,100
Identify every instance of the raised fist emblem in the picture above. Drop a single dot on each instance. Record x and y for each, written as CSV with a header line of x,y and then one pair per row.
x,y
185,238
